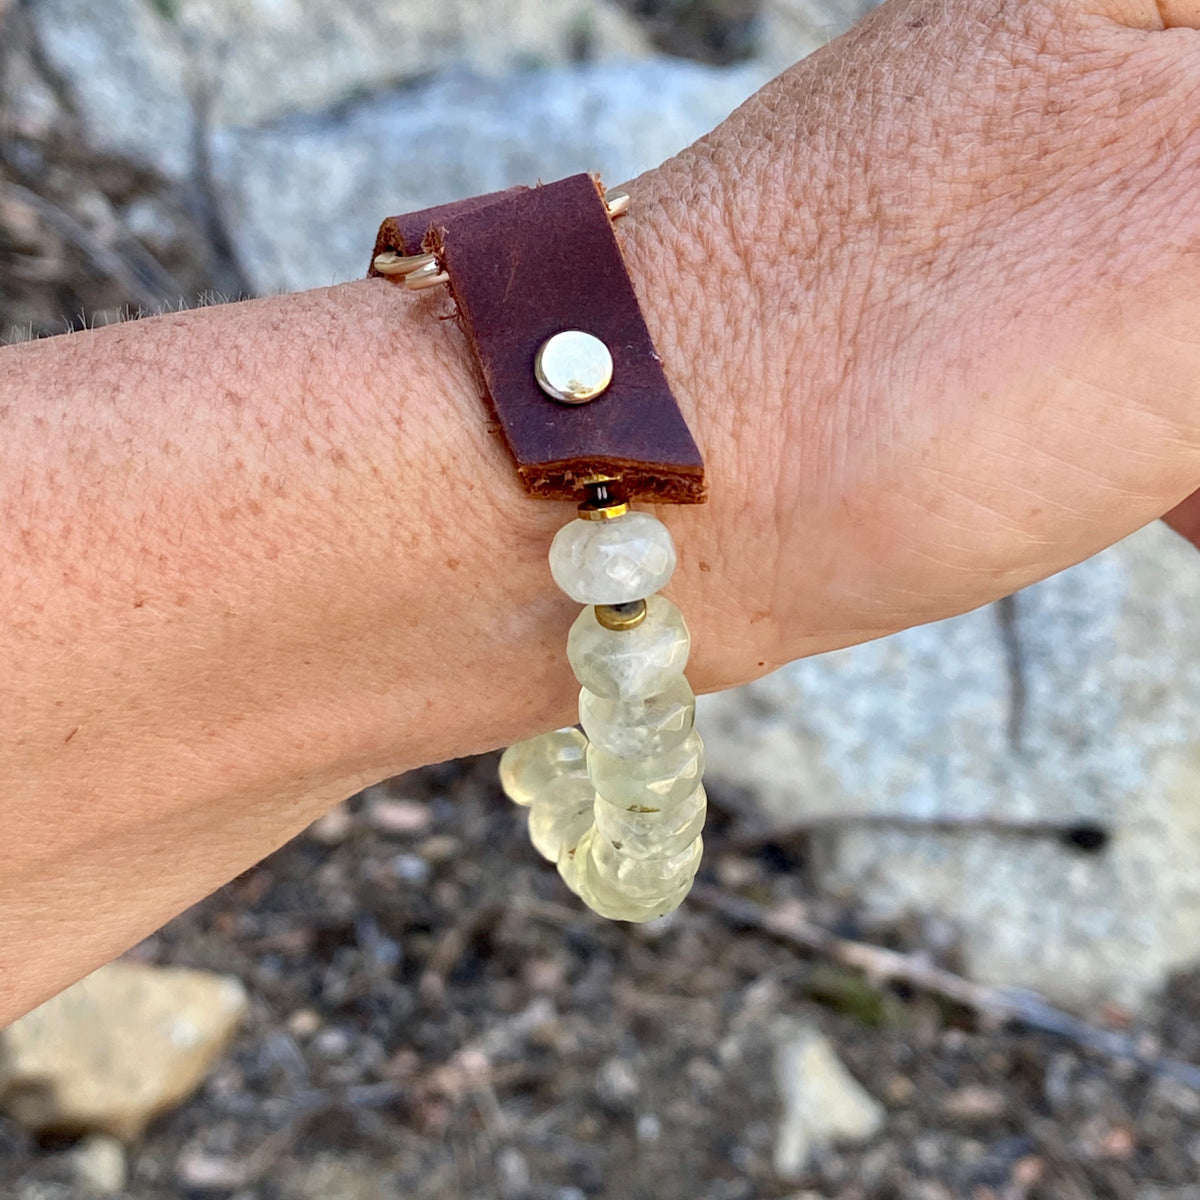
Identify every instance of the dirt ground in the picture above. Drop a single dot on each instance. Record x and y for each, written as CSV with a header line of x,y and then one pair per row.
x,y
434,1018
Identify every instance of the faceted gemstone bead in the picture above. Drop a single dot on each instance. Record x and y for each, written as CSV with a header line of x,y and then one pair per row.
x,y
606,897
560,815
639,727
657,834
634,662
526,767
644,880
654,783
612,562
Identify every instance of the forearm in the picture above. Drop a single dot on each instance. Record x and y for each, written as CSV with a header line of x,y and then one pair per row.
x,y
258,556
933,331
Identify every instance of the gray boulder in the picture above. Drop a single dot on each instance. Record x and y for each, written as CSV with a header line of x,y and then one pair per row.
x,y
303,198
262,59
789,30
1082,707
146,75
123,65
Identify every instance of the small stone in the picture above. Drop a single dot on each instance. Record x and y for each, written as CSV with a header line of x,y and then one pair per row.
x,y
617,1082
200,1171
303,1023
822,1103
119,1048
649,1128
512,1170
411,868
440,848
612,562
974,1105
333,828
398,816
98,1163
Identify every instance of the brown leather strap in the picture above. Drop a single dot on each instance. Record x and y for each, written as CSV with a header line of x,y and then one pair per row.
x,y
525,264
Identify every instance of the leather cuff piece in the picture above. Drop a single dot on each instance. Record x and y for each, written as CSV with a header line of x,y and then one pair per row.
x,y
525,264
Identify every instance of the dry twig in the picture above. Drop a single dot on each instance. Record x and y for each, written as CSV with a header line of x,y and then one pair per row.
x,y
1000,1005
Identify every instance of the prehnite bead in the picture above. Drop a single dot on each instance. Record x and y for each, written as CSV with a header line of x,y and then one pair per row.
x,y
607,898
526,767
560,815
657,782
644,880
612,562
659,833
634,662
640,726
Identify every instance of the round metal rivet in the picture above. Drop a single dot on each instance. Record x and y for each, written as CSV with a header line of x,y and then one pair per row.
x,y
573,367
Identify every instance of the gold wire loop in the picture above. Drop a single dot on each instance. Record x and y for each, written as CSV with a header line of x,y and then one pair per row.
x,y
415,271
617,202
391,263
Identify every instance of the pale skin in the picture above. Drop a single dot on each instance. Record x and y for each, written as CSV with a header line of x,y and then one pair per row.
x,y
930,302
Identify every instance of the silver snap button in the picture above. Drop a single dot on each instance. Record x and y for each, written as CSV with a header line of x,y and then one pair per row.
x,y
573,367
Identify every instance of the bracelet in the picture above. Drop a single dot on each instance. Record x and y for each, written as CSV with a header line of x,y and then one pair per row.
x,y
579,396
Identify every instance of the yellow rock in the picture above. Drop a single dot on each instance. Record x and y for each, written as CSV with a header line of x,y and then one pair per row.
x,y
119,1048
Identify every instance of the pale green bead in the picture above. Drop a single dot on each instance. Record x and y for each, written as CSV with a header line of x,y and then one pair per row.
x,y
640,726
526,767
643,880
655,834
560,815
612,562
605,897
571,859
658,782
631,662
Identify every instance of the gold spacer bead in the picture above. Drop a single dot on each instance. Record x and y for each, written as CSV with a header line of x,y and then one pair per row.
x,y
610,510
621,617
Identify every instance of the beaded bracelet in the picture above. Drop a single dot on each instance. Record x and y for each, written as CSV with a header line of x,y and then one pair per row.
x,y
620,807
572,377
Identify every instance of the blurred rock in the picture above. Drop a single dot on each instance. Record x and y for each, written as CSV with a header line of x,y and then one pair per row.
x,y
389,815
30,107
975,1105
98,1163
199,1171
262,59
123,66
821,1102
339,1178
1081,708
789,30
120,1047
332,828
142,73
459,135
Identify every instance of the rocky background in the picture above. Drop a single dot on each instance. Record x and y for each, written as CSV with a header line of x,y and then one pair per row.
x,y
945,942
